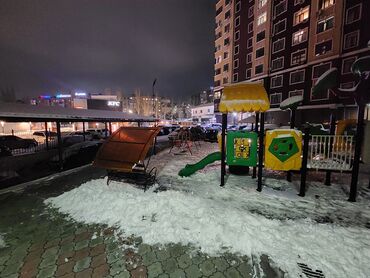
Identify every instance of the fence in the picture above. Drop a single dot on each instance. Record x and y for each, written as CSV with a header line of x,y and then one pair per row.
x,y
52,144
331,152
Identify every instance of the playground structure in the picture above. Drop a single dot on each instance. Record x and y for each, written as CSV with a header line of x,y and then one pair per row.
x,y
288,150
124,153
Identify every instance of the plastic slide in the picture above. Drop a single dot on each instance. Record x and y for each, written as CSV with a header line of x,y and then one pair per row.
x,y
190,169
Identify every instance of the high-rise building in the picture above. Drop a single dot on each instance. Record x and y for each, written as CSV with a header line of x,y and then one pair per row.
x,y
223,43
288,44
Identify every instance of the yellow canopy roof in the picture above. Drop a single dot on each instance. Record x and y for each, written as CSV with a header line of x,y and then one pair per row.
x,y
244,97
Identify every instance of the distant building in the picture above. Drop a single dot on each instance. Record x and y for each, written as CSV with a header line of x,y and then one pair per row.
x,y
203,113
287,45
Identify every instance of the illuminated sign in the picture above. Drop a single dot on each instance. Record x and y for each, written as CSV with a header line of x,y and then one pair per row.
x,y
45,97
63,96
80,94
113,103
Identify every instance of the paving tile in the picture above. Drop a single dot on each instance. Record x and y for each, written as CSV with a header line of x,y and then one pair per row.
x,y
100,271
11,269
65,269
80,254
155,269
47,272
67,240
87,273
193,271
245,269
178,273
69,275
123,274
232,273
52,251
37,246
184,261
83,236
65,256
98,249
144,248
220,263
176,250
117,267
114,256
82,264
139,272
98,260
149,258
96,241
219,275
163,275
81,244
67,247
207,268
162,255
4,259
48,261
169,265
52,243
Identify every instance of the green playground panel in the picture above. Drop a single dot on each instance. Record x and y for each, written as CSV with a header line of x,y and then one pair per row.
x,y
241,148
283,148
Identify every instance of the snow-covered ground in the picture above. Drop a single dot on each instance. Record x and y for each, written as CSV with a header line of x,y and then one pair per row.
x,y
322,230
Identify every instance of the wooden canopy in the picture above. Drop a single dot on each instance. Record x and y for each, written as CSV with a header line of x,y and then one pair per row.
x,y
244,97
126,147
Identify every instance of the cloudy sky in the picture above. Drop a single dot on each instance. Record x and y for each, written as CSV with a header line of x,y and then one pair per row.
x,y
91,45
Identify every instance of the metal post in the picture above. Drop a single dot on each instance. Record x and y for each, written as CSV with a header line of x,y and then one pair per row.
x,y
254,174
46,136
223,149
330,147
356,160
106,130
139,124
110,128
60,147
260,152
292,125
306,141
83,130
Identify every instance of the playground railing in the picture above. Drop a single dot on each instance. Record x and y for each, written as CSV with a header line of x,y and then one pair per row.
x,y
331,152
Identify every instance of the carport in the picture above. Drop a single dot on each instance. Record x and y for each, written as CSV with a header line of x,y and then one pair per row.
x,y
15,112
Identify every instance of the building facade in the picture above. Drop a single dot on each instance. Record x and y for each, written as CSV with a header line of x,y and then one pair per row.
x,y
288,44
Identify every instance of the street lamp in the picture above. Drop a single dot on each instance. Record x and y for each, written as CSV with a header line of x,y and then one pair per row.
x,y
153,95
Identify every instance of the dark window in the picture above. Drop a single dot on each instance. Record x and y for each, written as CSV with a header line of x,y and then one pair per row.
x,y
280,8
227,28
278,45
248,73
226,67
219,11
277,63
237,7
353,14
351,40
237,21
227,15
235,77
279,27
297,77
276,81
324,47
250,27
347,65
237,35
226,54
226,41
217,71
249,58
250,43
258,69
260,52
250,11
236,63
319,70
261,35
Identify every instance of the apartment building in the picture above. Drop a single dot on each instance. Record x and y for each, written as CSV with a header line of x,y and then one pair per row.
x,y
223,43
288,44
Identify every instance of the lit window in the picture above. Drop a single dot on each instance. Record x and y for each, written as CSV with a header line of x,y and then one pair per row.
x,y
323,4
301,15
323,48
325,24
261,3
298,57
351,39
300,36
262,18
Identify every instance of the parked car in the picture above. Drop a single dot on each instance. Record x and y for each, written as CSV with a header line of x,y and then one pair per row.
x,y
211,134
13,142
316,129
50,134
5,151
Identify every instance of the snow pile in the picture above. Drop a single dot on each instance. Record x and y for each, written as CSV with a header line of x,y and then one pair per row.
x,y
2,241
202,214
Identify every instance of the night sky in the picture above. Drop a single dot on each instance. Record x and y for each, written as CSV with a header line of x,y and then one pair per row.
x,y
91,45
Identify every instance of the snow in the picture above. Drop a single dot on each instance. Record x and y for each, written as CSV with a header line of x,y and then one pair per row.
x,y
325,74
2,241
287,103
236,218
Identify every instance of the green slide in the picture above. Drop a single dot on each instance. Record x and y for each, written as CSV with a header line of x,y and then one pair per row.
x,y
190,169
